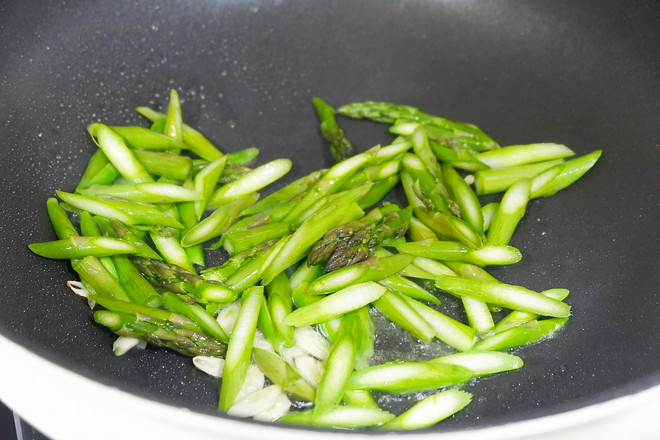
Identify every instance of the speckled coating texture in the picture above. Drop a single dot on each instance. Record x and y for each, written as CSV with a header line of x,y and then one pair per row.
x,y
580,73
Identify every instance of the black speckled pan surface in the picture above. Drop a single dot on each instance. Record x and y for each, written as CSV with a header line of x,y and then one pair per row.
x,y
581,73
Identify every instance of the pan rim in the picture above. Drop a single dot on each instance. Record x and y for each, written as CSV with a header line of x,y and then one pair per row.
x,y
64,404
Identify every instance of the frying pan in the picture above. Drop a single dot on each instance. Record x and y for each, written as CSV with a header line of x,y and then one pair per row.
x,y
580,73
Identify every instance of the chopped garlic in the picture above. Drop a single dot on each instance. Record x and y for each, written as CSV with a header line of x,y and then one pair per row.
x,y
123,344
310,368
311,341
281,407
254,381
258,402
210,365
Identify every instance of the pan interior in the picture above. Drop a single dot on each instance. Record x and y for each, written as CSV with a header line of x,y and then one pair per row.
x,y
565,72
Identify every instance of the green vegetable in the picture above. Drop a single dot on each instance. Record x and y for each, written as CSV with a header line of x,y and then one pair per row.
x,y
509,212
338,366
196,142
308,255
281,373
161,333
527,333
408,376
430,410
119,154
239,349
336,304
126,212
78,247
345,416
506,295
250,182
340,146
515,155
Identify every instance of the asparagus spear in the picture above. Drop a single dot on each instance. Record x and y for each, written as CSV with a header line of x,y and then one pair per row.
x,y
252,272
97,278
336,304
429,186
169,245
343,416
341,210
289,192
356,241
119,154
340,147
482,363
195,313
454,251
454,150
441,223
126,212
165,164
239,349
389,113
376,172
395,308
242,157
329,183
489,210
279,304
115,228
518,318
251,182
217,222
236,263
243,240
232,172
205,182
377,191
572,171
509,212
90,228
467,201
515,155
477,311
132,308
196,142
372,269
155,192
365,338
179,280
430,410
527,333
539,182
281,373
161,333
506,295
408,376
99,171
174,119
452,332
498,180
76,247
338,366
141,138
189,219
403,285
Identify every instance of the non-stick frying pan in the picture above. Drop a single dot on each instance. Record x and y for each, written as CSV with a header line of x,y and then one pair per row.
x,y
580,73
